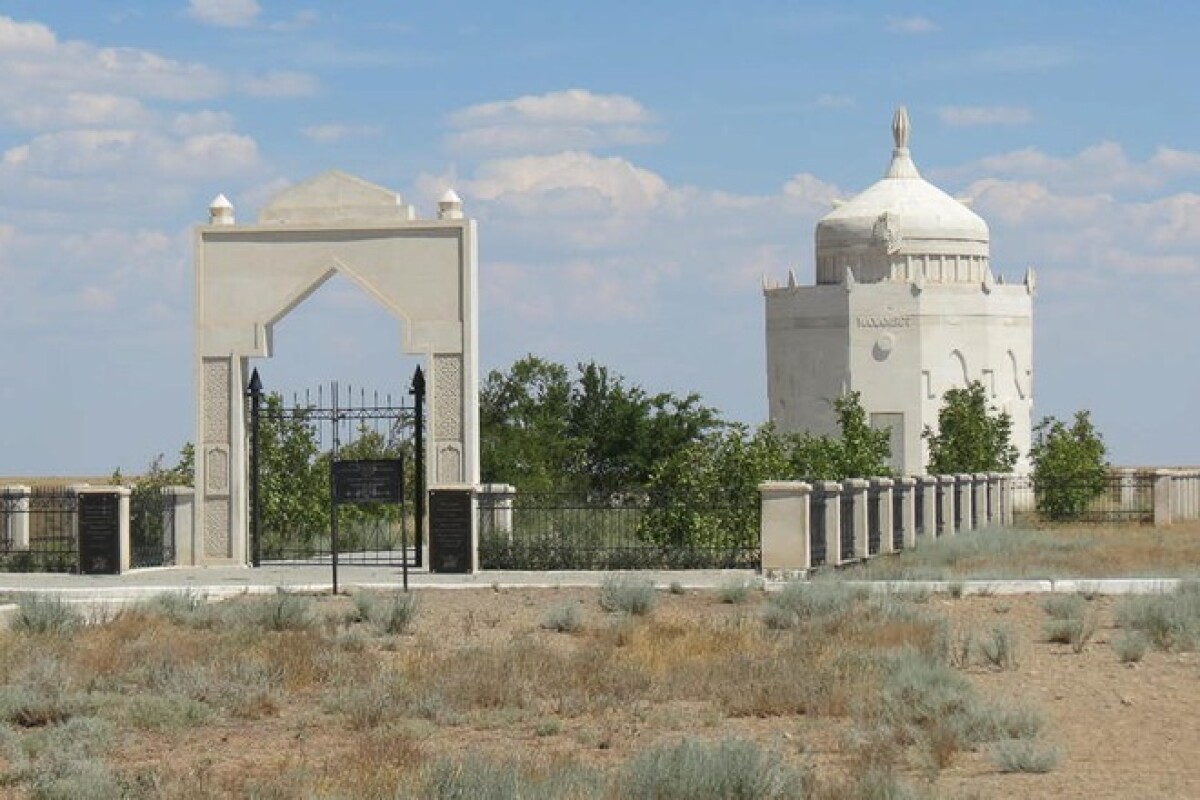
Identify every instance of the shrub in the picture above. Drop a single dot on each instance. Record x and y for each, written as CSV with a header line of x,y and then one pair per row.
x,y
369,704
566,618
41,692
282,611
1024,755
998,649
182,608
1064,606
475,778
395,614
628,595
729,769
677,588
1171,621
46,614
798,601
734,591
1131,646
1069,466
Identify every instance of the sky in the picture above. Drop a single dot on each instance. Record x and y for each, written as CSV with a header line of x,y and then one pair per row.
x,y
635,169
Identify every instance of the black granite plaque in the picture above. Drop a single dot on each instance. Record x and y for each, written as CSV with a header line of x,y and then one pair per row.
x,y
450,525
99,533
377,480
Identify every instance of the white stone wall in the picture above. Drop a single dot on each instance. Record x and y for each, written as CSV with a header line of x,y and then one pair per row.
x,y
901,346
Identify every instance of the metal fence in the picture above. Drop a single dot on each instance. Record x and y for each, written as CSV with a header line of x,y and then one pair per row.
x,y
151,528
1112,497
50,517
624,530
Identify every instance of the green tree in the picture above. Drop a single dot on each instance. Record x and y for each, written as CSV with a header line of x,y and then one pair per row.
x,y
622,433
861,451
1070,466
971,437
294,484
544,431
705,494
708,490
524,418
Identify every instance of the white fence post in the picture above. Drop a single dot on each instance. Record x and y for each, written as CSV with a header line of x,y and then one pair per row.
x,y
786,537
15,525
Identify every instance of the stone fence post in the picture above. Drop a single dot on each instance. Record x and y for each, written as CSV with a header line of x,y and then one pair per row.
x,y
180,517
994,516
1162,497
963,496
14,527
856,492
496,508
927,485
906,491
979,486
883,488
786,535
831,491
945,505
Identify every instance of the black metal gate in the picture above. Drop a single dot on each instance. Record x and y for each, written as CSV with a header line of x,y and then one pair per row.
x,y
292,451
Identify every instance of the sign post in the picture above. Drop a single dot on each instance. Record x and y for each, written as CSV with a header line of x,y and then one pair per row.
x,y
372,481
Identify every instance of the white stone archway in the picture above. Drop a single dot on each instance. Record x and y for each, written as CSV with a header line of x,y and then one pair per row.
x,y
249,277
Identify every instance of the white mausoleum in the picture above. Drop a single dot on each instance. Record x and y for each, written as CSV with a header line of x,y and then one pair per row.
x,y
905,306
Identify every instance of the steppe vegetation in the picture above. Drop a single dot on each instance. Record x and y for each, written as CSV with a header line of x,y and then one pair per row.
x,y
821,689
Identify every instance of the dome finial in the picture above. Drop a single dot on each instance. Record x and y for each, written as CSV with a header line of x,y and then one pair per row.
x,y
902,165
900,127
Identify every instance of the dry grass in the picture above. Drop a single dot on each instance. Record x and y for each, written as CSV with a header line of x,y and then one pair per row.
x,y
1062,551
273,698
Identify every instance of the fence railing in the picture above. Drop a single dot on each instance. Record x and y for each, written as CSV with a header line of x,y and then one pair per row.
x,y
624,530
827,523
1115,496
40,526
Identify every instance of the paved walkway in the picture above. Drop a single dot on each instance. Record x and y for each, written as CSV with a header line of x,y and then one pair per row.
x,y
216,582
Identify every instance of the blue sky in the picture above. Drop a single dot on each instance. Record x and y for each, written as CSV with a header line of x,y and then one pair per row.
x,y
636,168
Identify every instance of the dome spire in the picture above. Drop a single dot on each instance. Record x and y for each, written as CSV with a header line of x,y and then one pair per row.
x,y
900,127
902,165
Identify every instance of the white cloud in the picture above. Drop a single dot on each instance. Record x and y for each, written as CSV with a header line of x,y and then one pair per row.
x,y
584,237
279,84
206,121
81,109
961,116
37,64
132,152
572,119
224,13
914,24
335,132
569,183
1104,167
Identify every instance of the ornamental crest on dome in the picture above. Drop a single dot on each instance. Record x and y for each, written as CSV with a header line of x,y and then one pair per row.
x,y
887,232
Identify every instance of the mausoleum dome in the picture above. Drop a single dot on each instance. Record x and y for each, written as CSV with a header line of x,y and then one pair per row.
x,y
902,228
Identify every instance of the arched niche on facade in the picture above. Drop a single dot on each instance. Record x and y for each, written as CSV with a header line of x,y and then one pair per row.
x,y
249,277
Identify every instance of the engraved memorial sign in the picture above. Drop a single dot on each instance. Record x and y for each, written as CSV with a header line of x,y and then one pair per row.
x,y
450,525
99,534
379,480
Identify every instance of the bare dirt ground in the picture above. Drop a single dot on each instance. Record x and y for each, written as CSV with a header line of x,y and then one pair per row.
x,y
1125,731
